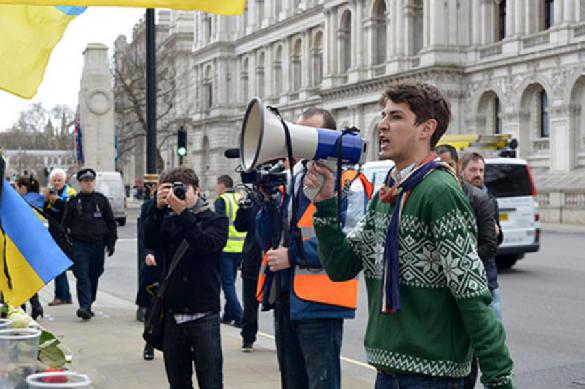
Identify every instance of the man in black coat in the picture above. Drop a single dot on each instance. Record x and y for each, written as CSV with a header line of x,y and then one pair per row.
x,y
251,259
191,333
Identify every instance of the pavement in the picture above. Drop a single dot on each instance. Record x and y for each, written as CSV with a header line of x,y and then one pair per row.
x,y
108,348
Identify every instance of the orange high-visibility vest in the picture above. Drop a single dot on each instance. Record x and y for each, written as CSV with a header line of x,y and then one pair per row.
x,y
314,285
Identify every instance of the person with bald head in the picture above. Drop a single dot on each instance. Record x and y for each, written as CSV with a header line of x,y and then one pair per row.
x,y
56,195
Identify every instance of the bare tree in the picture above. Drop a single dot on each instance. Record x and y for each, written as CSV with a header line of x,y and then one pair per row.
x,y
129,72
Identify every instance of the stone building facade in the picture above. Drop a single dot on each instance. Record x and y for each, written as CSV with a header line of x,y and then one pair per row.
x,y
508,66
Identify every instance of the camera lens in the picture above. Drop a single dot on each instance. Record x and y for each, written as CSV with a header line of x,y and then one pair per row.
x,y
179,190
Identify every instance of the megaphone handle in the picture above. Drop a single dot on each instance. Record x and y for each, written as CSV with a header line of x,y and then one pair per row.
x,y
311,193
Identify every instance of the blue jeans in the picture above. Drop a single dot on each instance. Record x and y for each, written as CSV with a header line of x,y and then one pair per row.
x,y
311,352
195,342
406,381
62,287
496,303
88,266
228,270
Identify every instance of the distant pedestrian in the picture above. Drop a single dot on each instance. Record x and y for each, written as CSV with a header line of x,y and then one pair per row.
x,y
57,194
90,221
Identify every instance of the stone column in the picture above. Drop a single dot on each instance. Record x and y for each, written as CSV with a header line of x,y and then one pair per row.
x,y
520,16
251,17
561,148
510,18
357,45
223,28
559,7
438,17
269,72
399,28
269,16
569,12
476,23
329,48
96,109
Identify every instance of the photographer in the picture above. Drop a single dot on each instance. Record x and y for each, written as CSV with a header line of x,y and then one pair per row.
x,y
313,307
251,257
191,328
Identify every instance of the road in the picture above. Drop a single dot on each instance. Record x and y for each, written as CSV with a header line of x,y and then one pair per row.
x,y
543,300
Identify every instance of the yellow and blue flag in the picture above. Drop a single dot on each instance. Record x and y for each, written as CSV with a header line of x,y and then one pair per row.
x,y
29,257
28,34
220,7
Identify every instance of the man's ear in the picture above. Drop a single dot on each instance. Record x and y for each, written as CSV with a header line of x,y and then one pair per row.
x,y
428,128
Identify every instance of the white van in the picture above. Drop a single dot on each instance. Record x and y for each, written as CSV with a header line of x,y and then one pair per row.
x,y
510,182
111,185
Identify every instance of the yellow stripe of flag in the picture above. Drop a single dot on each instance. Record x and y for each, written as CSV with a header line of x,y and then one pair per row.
x,y
27,37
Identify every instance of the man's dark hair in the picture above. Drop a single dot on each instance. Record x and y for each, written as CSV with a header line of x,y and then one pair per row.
x,y
468,157
226,181
29,182
426,101
328,119
448,149
180,174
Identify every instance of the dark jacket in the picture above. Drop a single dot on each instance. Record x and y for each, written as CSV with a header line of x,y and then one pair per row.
x,y
487,244
246,222
147,275
194,287
89,218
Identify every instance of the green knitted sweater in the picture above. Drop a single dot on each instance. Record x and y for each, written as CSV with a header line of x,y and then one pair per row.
x,y
444,296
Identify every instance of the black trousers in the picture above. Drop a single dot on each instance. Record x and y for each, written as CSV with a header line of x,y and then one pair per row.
x,y
250,317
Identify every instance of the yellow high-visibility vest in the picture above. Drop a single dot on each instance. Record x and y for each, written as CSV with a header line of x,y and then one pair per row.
x,y
235,243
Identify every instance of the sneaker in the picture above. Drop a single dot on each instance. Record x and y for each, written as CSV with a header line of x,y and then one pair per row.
x,y
84,314
247,347
225,320
57,301
148,353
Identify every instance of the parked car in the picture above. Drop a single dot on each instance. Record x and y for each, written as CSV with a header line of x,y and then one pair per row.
x,y
510,181
111,185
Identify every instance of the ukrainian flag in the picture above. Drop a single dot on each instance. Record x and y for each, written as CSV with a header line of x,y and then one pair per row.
x,y
29,257
27,36
220,7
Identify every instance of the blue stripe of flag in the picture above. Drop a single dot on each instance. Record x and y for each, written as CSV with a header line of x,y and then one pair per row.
x,y
30,235
71,10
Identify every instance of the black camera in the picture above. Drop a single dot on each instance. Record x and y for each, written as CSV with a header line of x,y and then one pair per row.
x,y
266,176
52,191
180,190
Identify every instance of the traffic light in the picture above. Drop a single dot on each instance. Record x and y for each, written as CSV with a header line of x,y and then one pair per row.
x,y
182,142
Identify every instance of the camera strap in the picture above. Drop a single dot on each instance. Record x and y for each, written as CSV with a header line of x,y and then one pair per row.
x,y
294,231
338,183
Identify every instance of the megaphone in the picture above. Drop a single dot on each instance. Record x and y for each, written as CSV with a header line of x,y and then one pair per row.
x,y
262,139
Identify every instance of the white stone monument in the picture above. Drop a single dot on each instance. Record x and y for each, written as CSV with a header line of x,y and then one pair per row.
x,y
96,109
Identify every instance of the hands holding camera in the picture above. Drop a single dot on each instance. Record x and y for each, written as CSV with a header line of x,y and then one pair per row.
x,y
50,194
169,195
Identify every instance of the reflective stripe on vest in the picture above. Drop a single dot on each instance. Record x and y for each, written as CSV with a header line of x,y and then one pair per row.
x,y
235,242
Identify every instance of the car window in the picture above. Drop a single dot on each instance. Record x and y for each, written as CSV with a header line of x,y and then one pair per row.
x,y
507,180
109,188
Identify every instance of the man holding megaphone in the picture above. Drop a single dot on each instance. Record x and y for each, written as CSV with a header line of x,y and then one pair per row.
x,y
427,291
310,323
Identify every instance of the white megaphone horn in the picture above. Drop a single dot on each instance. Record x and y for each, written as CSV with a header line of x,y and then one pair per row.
x,y
263,139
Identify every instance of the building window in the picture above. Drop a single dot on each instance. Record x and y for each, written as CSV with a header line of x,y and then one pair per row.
x,y
544,115
260,76
317,52
260,11
245,81
208,88
379,42
497,116
548,14
501,20
296,65
345,42
277,68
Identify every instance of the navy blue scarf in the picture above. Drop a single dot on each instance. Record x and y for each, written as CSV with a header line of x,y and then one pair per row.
x,y
396,193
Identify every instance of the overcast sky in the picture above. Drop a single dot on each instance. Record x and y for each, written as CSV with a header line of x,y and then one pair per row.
x,y
61,82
